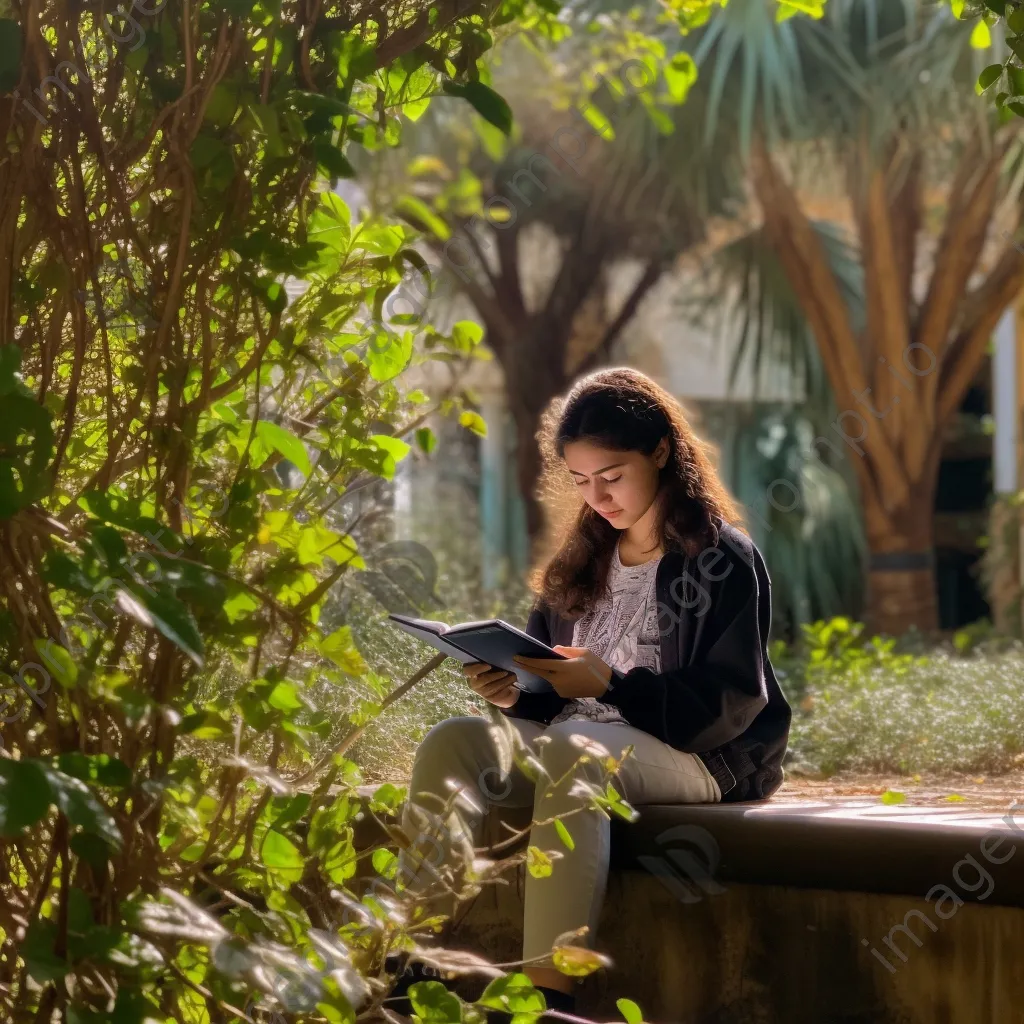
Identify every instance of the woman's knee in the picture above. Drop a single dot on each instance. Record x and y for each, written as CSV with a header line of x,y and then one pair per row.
x,y
565,743
453,737
461,749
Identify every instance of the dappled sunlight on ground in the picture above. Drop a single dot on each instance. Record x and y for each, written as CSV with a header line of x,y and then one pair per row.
x,y
993,792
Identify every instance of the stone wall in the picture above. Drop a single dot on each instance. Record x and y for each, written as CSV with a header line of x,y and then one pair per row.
x,y
767,955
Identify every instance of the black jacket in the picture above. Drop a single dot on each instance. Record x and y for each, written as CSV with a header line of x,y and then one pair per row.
x,y
717,695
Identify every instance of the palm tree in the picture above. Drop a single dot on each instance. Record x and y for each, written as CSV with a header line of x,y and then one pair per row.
x,y
639,195
803,512
876,102
646,197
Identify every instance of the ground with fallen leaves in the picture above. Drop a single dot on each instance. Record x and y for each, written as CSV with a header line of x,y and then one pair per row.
x,y
990,793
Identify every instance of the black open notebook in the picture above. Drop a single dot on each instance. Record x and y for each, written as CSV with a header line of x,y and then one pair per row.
x,y
492,641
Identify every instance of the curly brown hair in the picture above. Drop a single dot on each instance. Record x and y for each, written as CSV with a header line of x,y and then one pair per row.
x,y
620,409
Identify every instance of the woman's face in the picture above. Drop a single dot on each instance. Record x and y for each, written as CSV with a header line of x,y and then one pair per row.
x,y
621,486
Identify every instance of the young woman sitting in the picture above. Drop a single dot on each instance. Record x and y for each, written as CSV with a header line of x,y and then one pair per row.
x,y
662,606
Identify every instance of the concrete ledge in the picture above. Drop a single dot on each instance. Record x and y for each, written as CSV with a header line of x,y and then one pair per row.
x,y
848,845
774,955
798,914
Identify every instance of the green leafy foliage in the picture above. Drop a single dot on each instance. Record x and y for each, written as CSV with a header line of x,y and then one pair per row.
x,y
26,437
1007,76
872,704
202,362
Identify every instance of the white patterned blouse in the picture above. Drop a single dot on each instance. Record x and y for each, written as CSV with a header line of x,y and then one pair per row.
x,y
621,629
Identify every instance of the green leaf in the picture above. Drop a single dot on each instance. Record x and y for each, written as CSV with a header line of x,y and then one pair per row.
x,y
394,449
285,809
788,8
426,439
26,441
222,106
473,421
563,834
285,697
990,76
42,962
467,334
271,293
332,161
25,795
341,649
82,807
578,961
58,661
340,861
485,101
618,805
422,217
538,863
514,993
165,614
415,109
285,442
389,354
593,116
630,1011
281,856
954,798
893,796
388,798
385,863
981,36
330,224
100,768
434,1004
680,73
206,725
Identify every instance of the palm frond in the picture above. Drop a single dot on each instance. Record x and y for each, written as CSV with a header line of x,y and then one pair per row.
x,y
878,64
760,320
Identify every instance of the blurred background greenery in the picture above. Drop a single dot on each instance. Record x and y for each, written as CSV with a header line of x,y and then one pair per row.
x,y
814,253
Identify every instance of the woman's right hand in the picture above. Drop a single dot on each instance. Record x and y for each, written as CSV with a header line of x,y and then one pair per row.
x,y
493,684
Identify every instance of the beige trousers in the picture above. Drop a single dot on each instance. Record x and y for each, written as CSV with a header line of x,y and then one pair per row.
x,y
470,754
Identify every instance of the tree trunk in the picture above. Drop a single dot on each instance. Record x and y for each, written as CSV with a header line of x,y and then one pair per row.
x,y
532,382
528,470
901,377
901,565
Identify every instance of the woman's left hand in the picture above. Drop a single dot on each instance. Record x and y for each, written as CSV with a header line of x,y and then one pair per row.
x,y
584,674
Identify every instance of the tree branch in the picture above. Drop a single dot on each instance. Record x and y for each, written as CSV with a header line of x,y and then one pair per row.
x,y
983,308
650,277
808,270
581,267
811,277
510,285
962,239
422,28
